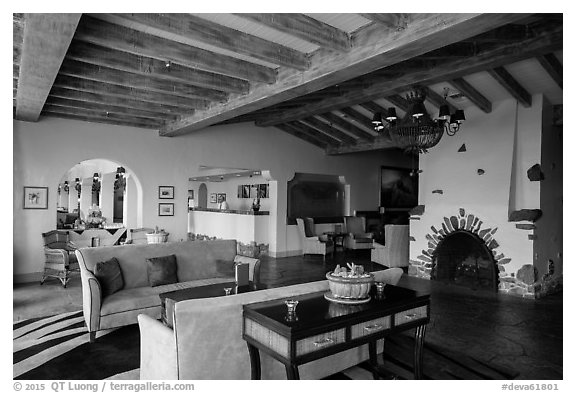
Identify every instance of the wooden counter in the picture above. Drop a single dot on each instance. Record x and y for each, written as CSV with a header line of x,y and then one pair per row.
x,y
243,225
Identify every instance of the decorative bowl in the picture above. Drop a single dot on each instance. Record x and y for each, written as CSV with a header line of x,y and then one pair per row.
x,y
350,287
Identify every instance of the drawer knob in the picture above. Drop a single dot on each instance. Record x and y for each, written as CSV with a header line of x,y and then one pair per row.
x,y
324,341
410,316
373,328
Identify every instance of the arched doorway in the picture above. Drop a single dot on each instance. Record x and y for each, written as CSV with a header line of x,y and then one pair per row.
x,y
203,195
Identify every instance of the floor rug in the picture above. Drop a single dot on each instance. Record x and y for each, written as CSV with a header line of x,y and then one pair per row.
x,y
57,347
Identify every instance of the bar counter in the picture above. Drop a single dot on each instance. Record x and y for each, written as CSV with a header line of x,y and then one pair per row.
x,y
229,211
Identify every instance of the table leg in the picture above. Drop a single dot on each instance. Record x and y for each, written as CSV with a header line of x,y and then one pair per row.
x,y
372,350
292,371
255,371
419,351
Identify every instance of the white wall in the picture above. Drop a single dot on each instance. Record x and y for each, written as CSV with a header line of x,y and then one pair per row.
x,y
43,151
490,145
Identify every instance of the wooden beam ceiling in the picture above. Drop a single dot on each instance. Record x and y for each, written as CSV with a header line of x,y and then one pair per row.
x,y
385,84
511,85
46,40
473,95
425,33
553,67
329,130
391,21
305,137
350,128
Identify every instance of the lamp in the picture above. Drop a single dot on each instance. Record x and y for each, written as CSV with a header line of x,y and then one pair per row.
x,y
96,182
66,186
78,188
120,181
417,132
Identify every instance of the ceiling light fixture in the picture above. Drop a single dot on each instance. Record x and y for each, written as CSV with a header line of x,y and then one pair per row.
x,y
417,132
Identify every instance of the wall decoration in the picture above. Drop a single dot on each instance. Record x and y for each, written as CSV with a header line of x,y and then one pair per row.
x,y
246,191
398,188
166,192
165,209
263,191
253,191
212,198
221,198
190,194
35,198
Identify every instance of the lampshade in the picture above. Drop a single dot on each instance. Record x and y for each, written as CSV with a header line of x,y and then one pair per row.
x,y
418,109
444,112
377,119
391,115
96,175
458,116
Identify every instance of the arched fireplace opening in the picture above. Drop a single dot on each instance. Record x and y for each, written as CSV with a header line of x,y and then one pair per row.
x,y
462,258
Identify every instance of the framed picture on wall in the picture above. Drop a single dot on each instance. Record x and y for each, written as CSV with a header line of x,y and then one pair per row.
x,y
245,191
398,188
221,198
165,209
213,198
166,192
35,198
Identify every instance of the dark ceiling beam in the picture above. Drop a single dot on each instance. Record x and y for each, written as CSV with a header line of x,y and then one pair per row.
x,y
121,38
548,40
121,78
102,115
398,101
346,126
46,40
129,93
106,107
381,142
124,61
211,33
473,95
553,67
327,129
373,51
290,130
306,28
437,100
101,97
54,112
354,115
313,132
511,85
391,21
373,107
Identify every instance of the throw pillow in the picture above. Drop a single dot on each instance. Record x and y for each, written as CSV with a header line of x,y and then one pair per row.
x,y
309,229
224,269
162,270
109,276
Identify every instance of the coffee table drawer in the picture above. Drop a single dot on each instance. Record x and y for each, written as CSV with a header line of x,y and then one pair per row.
x,y
370,327
320,341
410,315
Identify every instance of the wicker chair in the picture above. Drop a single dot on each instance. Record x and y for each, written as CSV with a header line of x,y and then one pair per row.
x,y
312,244
60,260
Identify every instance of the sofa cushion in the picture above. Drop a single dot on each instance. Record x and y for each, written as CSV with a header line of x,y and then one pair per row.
x,y
109,276
309,229
162,270
130,299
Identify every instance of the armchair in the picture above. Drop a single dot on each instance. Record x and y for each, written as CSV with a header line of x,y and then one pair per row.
x,y
357,238
312,244
60,260
395,252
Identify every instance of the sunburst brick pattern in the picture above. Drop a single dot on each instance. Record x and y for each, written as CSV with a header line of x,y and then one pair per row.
x,y
510,283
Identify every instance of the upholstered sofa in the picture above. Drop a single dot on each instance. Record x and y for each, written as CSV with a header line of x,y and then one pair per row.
x,y
198,263
395,252
206,341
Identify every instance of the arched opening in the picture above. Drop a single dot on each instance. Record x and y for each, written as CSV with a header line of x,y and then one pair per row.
x,y
462,258
203,196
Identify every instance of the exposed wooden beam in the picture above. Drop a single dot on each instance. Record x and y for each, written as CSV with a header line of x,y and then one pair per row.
x,y
112,117
128,93
373,107
313,132
124,61
98,119
99,98
358,117
398,101
425,33
346,126
473,95
200,95
391,21
327,129
128,40
105,107
46,40
381,142
553,67
538,44
511,85
437,100
304,137
306,28
211,33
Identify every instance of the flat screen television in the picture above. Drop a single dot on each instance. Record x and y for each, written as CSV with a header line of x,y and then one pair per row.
x,y
398,189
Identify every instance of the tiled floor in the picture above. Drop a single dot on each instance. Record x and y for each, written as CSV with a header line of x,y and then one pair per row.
x,y
521,335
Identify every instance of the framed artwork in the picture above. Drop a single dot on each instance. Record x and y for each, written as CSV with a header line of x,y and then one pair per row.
x,y
246,191
212,198
190,194
165,209
263,190
398,189
166,192
221,198
35,198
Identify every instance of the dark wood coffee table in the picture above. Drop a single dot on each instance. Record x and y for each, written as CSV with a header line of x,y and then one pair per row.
x,y
168,299
322,328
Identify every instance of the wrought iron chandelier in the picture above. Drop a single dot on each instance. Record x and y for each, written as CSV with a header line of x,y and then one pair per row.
x,y
417,132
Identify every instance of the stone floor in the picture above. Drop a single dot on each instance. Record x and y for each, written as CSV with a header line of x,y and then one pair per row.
x,y
522,335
